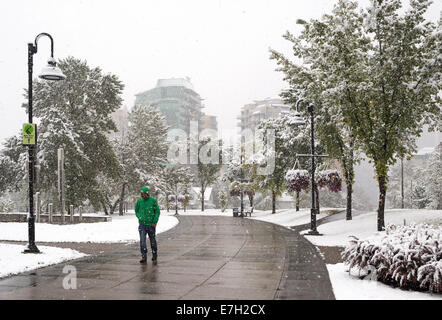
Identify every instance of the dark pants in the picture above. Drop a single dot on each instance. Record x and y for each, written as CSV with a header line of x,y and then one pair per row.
x,y
147,230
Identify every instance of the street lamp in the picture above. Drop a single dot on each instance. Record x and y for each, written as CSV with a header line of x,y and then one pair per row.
x,y
313,230
242,181
49,72
298,119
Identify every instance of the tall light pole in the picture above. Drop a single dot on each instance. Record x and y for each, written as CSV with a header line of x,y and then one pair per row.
x,y
50,72
176,199
313,230
402,182
242,181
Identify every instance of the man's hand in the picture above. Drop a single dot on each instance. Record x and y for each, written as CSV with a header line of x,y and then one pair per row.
x,y
154,225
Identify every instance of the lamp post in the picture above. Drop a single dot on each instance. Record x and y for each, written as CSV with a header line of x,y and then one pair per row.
x,y
313,230
402,182
242,181
176,199
50,72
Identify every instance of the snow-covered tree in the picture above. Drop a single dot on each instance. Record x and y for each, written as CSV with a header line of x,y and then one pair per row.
x,y
6,204
178,179
434,179
330,51
290,139
141,150
209,164
12,165
223,200
75,114
377,73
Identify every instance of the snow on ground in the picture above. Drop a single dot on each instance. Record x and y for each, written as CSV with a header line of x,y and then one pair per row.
x,y
120,229
283,217
345,286
13,261
291,217
365,225
197,212
348,287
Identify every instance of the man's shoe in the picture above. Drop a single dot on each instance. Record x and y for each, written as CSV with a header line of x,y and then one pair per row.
x,y
154,258
143,260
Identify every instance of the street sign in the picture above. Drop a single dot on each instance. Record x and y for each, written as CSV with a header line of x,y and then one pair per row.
x,y
29,133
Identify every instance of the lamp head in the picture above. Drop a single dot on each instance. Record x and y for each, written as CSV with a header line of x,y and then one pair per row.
x,y
51,71
298,120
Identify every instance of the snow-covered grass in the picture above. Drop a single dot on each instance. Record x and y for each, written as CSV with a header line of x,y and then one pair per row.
x,y
338,233
349,287
120,229
291,217
13,261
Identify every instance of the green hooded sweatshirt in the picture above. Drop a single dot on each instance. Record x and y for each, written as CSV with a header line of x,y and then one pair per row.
x,y
147,211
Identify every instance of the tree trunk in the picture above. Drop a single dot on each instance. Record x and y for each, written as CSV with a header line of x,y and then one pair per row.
x,y
104,205
297,201
273,202
251,200
349,192
112,207
202,199
382,181
317,199
121,207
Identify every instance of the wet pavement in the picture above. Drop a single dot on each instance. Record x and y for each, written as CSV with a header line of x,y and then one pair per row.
x,y
204,257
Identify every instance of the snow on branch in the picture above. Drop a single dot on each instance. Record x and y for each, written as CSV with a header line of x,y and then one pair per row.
x,y
409,257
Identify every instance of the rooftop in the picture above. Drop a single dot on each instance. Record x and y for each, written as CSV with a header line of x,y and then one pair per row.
x,y
175,82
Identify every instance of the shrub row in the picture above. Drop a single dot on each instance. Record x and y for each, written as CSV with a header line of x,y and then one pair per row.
x,y
408,257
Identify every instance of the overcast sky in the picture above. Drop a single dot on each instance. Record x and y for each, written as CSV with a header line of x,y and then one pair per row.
x,y
222,45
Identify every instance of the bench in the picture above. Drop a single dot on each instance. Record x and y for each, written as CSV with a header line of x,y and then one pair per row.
x,y
248,211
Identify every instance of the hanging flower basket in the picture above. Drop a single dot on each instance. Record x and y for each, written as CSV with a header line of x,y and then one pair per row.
x,y
297,180
330,179
249,193
181,198
335,183
235,190
322,179
171,198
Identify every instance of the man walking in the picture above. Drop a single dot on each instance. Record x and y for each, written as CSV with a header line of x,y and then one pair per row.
x,y
147,212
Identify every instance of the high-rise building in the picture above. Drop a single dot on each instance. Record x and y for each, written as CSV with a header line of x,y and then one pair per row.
x,y
253,113
176,99
208,122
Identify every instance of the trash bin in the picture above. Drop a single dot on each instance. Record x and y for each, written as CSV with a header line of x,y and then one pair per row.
x,y
235,212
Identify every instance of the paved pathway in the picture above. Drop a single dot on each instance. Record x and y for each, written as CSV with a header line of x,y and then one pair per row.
x,y
202,258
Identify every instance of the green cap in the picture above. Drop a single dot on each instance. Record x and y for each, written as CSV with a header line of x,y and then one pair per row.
x,y
145,190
